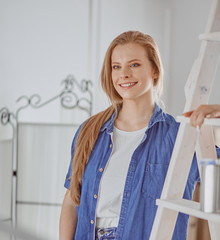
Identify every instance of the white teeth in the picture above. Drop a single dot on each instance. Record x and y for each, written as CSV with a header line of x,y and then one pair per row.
x,y
127,84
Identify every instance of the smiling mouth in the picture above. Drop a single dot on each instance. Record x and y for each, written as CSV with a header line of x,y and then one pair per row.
x,y
127,84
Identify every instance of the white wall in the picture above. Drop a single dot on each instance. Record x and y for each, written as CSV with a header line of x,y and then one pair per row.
x,y
188,21
175,25
44,41
41,43
151,17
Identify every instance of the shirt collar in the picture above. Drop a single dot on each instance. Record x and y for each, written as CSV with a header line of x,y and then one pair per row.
x,y
158,116
109,125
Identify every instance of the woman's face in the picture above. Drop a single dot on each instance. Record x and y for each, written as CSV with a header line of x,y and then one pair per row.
x,y
132,73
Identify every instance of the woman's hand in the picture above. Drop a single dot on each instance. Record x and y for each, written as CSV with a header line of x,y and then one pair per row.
x,y
203,111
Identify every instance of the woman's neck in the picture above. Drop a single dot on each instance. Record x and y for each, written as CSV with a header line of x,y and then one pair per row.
x,y
134,115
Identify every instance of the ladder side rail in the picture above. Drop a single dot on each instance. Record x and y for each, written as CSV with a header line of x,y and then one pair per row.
x,y
164,224
206,149
199,85
174,185
182,156
187,135
181,159
213,23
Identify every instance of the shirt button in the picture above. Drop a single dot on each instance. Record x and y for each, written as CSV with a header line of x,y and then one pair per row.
x,y
95,196
110,146
92,221
100,169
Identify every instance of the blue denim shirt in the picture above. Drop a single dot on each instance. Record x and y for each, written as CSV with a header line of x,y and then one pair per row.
x,y
144,182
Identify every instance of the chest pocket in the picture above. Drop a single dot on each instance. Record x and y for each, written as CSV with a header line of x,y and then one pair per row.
x,y
153,182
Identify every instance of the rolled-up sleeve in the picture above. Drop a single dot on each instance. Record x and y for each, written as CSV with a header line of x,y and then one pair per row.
x,y
69,173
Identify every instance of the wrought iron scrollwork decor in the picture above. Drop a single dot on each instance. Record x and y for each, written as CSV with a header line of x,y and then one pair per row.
x,y
5,116
68,97
73,95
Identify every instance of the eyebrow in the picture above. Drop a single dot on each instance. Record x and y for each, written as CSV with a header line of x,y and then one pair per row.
x,y
133,60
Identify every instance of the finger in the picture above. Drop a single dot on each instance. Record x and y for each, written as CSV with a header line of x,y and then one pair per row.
x,y
200,120
197,119
193,119
187,114
214,114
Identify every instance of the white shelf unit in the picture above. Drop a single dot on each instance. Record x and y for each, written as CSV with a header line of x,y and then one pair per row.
x,y
212,121
188,207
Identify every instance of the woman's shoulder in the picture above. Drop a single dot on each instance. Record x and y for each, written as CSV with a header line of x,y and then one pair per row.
x,y
165,117
170,119
172,126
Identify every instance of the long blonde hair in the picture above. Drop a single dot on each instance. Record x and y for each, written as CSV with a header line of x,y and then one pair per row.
x,y
89,132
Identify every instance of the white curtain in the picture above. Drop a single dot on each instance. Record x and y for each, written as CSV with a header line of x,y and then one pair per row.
x,y
43,160
5,184
5,179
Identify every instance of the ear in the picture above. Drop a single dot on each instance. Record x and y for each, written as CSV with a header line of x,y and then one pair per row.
x,y
155,75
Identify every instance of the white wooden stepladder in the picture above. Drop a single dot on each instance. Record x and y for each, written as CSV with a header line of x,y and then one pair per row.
x,y
197,91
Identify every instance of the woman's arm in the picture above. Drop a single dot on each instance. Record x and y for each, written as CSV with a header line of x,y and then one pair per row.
x,y
204,111
68,218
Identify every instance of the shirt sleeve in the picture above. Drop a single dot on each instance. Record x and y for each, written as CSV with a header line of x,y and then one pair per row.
x,y
218,152
69,173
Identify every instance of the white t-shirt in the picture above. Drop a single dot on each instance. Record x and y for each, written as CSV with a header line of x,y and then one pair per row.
x,y
113,179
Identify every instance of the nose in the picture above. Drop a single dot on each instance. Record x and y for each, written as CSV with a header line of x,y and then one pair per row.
x,y
125,73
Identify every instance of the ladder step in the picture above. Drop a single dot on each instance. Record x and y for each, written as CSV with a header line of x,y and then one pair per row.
x,y
213,36
211,121
188,207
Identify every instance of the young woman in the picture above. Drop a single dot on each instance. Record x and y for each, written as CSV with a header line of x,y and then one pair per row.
x,y
121,155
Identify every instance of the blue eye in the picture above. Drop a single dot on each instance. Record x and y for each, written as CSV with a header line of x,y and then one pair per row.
x,y
135,65
115,67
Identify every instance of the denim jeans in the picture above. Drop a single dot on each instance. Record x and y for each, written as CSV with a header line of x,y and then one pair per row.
x,y
105,233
